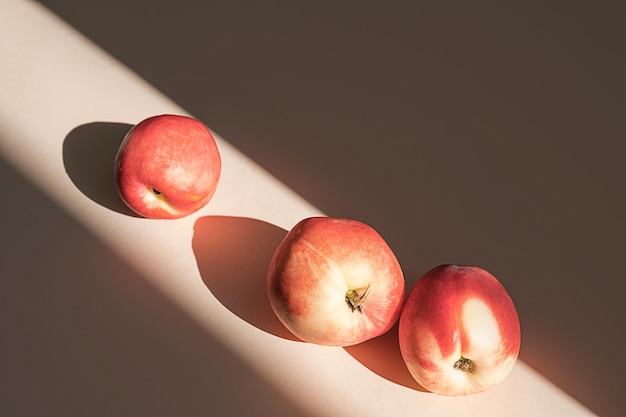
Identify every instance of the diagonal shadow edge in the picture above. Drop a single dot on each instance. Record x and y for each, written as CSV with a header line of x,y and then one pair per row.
x,y
79,313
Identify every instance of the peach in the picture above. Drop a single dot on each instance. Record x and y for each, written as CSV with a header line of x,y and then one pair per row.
x,y
335,282
459,331
167,167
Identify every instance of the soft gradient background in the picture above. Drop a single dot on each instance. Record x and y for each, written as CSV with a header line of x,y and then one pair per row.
x,y
465,132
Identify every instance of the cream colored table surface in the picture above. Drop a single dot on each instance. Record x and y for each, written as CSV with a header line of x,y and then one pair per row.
x,y
107,314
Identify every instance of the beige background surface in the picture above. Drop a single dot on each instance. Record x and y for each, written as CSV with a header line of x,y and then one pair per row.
x,y
483,134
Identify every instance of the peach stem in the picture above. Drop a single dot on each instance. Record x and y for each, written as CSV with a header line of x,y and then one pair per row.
x,y
464,365
354,299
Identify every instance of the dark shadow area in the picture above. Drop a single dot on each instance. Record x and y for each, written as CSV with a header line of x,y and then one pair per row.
x,y
233,255
89,154
84,334
382,356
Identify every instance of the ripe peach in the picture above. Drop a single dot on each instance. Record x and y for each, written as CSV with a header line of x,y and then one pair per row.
x,y
459,331
335,282
167,167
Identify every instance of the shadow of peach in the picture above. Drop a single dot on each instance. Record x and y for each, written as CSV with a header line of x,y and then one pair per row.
x,y
89,155
382,356
233,255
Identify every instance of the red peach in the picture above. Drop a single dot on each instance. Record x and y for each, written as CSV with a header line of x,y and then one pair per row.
x,y
335,282
459,331
167,167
